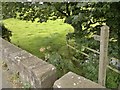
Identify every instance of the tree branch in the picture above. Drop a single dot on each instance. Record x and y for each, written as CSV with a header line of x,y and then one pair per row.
x,y
58,9
67,9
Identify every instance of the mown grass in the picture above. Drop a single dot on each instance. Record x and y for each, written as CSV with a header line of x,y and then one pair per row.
x,y
34,36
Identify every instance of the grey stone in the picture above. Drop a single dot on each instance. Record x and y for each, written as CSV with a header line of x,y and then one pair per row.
x,y
72,80
33,70
0,54
0,42
46,74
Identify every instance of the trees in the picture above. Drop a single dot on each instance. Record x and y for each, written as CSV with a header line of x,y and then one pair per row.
x,y
75,13
85,17
81,15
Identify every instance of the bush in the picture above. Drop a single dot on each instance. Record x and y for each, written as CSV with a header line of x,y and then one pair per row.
x,y
5,33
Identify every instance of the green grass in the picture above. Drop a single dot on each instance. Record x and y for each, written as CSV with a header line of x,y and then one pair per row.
x,y
33,36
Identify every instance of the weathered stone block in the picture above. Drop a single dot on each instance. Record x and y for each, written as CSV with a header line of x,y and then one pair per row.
x,y
32,62
0,42
46,75
7,49
0,54
31,69
72,80
19,56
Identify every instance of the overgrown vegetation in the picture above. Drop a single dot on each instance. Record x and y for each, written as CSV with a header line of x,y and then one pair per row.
x,y
5,33
86,19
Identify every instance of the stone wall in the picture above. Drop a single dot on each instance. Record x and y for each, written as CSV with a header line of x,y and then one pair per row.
x,y
37,72
31,69
72,80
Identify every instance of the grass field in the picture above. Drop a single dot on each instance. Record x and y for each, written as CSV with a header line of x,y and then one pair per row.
x,y
34,37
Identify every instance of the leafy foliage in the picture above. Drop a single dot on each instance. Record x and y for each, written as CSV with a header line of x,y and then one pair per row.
x,y
5,33
112,79
85,17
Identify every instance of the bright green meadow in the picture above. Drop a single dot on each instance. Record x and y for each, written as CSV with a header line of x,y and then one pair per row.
x,y
38,38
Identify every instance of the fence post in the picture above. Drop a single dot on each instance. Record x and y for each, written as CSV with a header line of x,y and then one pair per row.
x,y
103,61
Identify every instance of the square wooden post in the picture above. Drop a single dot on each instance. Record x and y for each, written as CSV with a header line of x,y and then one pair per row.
x,y
103,60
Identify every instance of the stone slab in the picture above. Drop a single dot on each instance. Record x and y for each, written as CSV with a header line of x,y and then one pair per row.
x,y
46,74
72,80
33,70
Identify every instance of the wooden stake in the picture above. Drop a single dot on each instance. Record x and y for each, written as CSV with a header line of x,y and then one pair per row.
x,y
104,38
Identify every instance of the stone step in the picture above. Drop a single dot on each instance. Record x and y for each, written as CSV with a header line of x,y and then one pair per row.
x,y
72,80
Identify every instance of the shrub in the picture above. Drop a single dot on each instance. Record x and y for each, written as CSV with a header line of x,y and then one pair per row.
x,y
5,33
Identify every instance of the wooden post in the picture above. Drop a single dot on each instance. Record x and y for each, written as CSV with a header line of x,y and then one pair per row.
x,y
104,39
